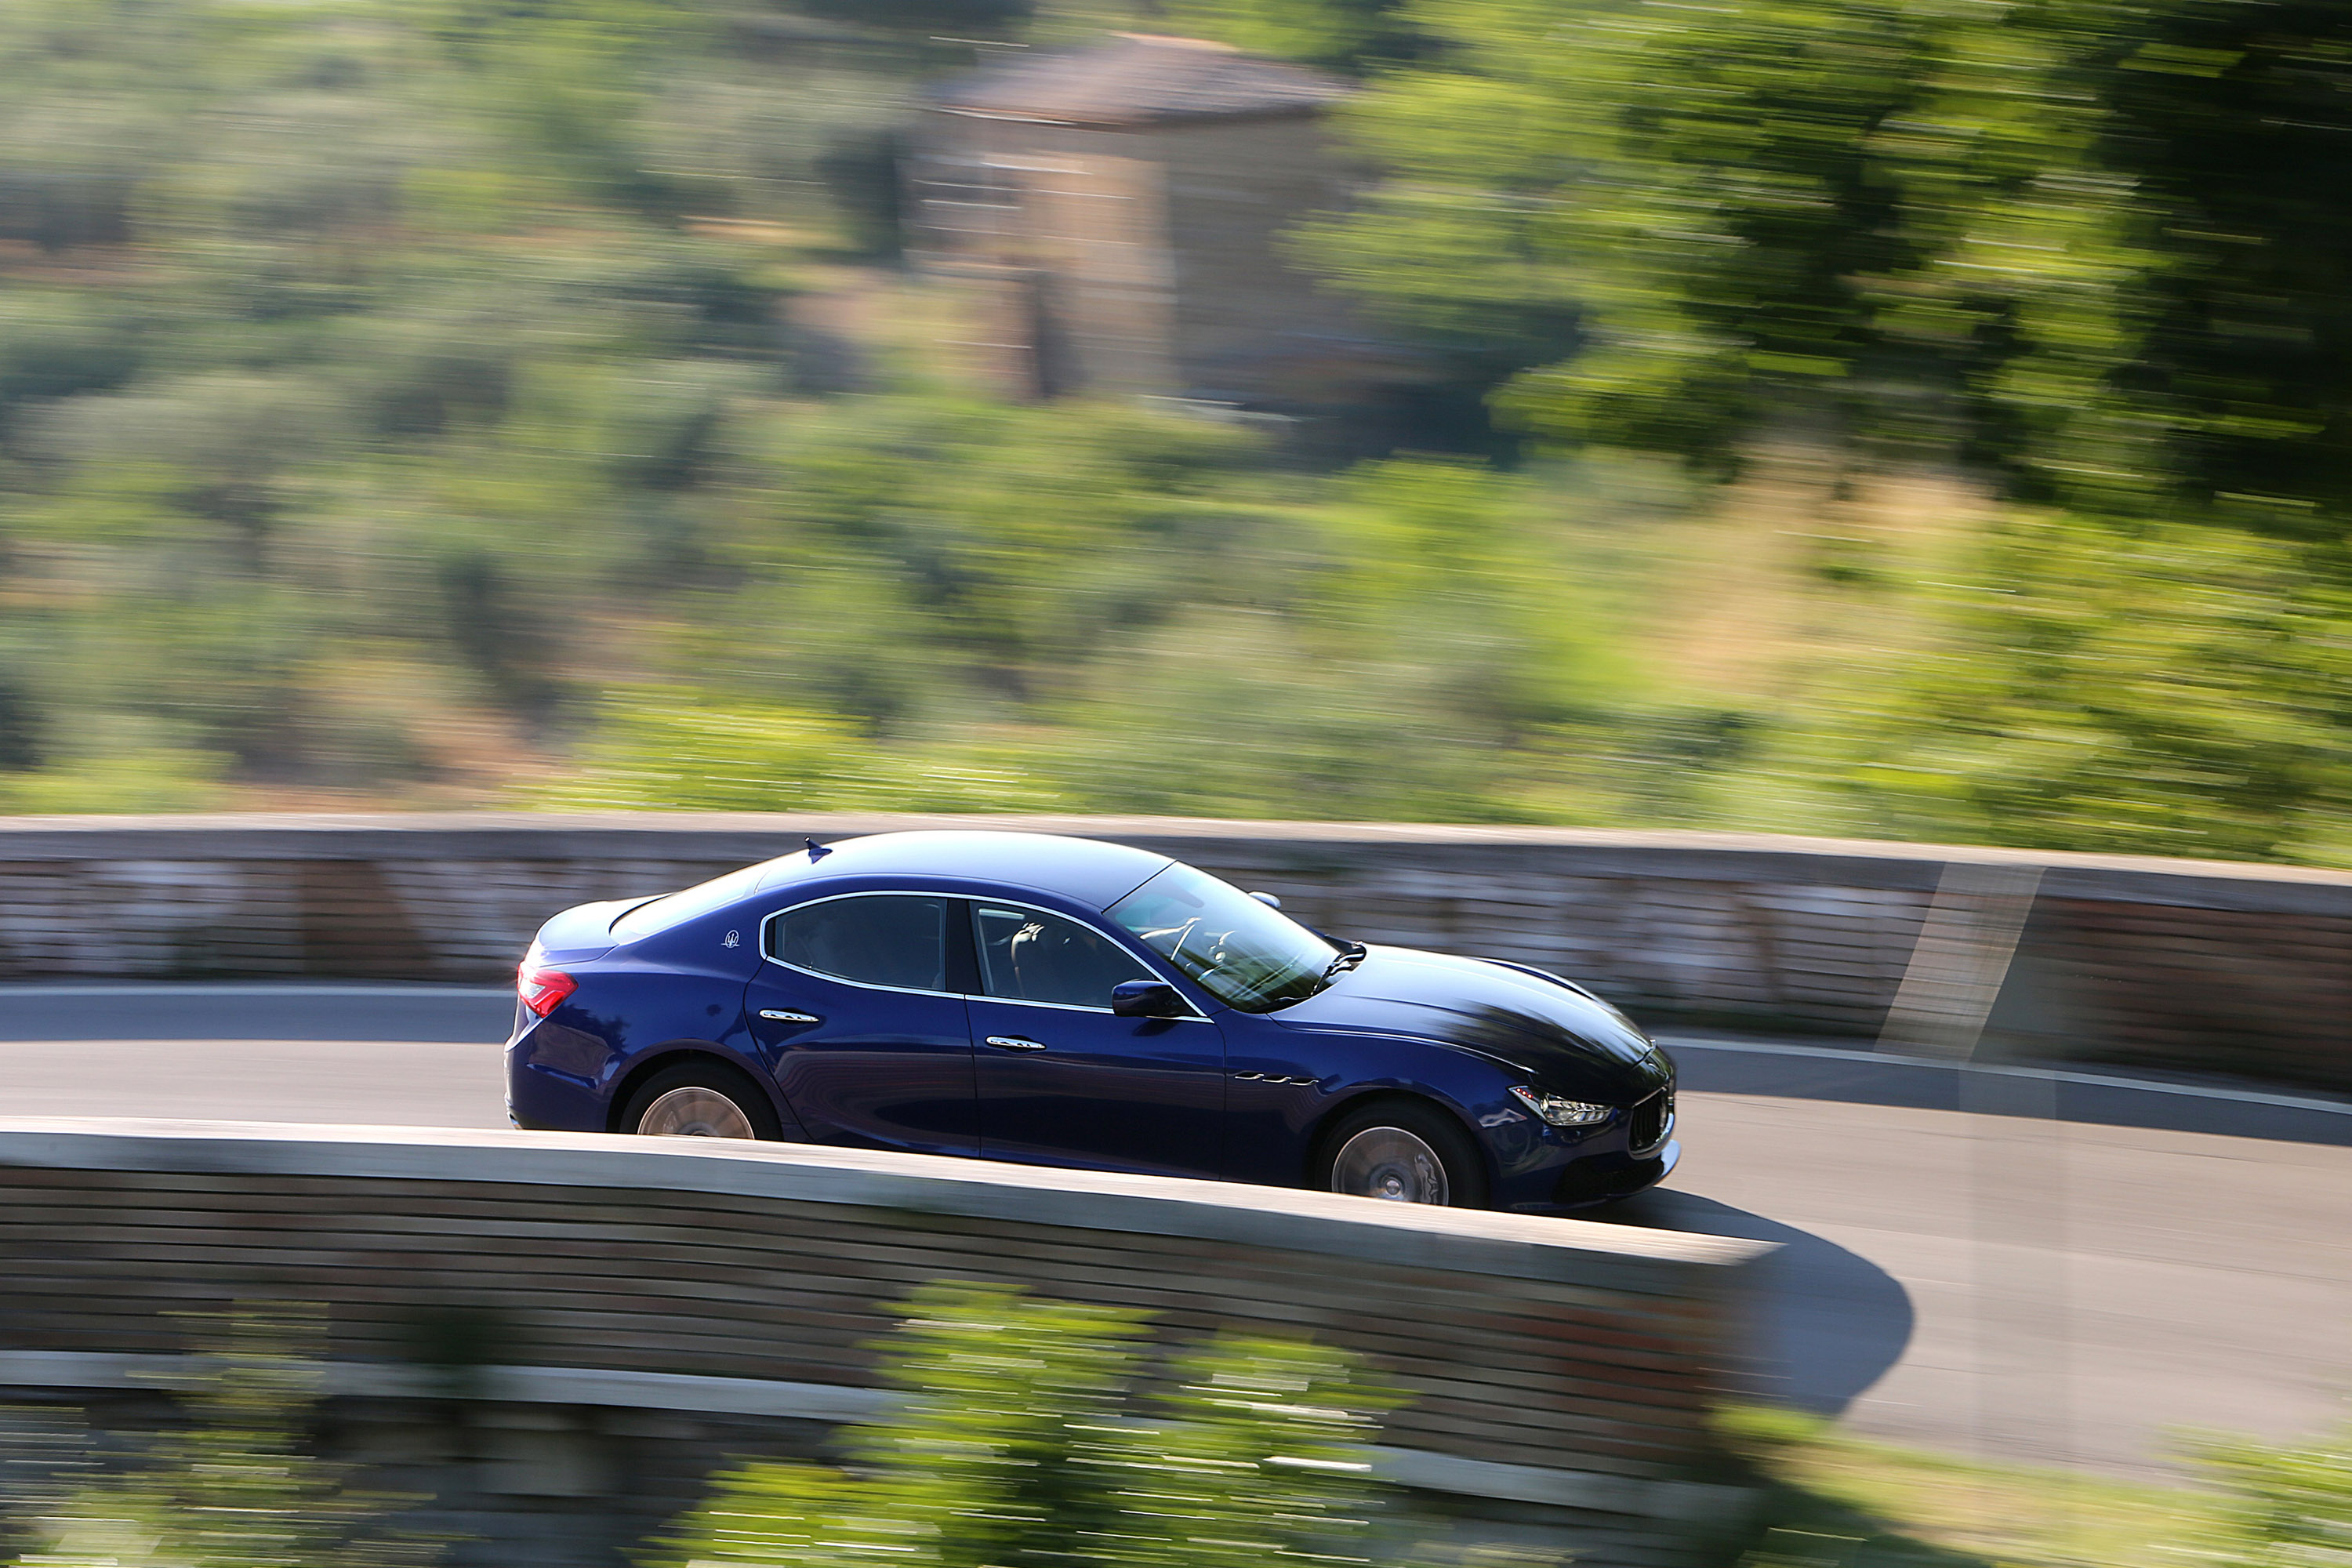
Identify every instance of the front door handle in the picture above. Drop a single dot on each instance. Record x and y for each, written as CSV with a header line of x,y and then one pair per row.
x,y
780,1016
1015,1043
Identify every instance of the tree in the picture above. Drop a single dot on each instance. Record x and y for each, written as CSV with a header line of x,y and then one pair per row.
x,y
2076,249
2077,242
1341,35
1698,203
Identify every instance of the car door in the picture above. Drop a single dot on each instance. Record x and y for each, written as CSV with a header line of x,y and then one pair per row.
x,y
1064,1081
859,1004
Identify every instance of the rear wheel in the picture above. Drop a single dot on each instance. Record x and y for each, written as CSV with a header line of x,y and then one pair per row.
x,y
1403,1152
696,1101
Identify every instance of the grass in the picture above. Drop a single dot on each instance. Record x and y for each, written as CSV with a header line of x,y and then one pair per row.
x,y
1835,1500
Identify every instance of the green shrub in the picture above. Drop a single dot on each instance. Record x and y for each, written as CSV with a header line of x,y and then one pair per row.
x,y
2283,1505
238,1486
1024,1437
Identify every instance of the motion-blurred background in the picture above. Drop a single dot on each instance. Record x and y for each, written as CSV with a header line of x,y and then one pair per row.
x,y
1922,420
1904,419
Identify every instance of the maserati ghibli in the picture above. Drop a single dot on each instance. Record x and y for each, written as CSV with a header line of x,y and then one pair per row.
x,y
1059,1001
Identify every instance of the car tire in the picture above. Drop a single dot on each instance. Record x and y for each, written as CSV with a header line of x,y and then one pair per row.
x,y
695,1100
1401,1150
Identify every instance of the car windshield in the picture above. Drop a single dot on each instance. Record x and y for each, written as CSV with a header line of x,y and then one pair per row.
x,y
1242,952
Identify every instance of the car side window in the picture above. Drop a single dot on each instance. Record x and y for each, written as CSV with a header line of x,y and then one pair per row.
x,y
898,940
1027,955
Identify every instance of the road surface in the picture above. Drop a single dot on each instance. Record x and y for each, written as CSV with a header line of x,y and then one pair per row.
x,y
2065,1271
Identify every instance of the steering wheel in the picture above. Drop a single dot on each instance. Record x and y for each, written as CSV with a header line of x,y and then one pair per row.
x,y
1182,934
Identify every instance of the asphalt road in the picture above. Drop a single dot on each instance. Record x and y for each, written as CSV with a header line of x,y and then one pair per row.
x,y
2067,1269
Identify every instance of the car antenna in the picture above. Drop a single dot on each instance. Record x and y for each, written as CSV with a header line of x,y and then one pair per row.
x,y
816,851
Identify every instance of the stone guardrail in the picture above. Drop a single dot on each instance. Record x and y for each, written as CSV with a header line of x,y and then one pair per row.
x,y
2184,965
1559,1372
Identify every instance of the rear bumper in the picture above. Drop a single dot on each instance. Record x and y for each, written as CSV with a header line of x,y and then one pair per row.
x,y
541,1098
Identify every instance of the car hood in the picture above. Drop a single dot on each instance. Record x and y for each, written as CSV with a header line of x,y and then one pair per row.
x,y
1561,1037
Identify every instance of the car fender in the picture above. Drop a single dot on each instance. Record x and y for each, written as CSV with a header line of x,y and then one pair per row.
x,y
1473,1085
1287,1082
1465,1081
644,1064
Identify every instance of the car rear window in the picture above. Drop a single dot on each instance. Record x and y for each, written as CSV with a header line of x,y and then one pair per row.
x,y
676,908
895,940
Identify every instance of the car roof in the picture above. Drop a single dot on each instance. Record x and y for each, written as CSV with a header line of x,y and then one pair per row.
x,y
1083,870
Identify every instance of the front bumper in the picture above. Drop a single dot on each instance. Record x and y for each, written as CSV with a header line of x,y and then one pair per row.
x,y
1543,1169
1605,1178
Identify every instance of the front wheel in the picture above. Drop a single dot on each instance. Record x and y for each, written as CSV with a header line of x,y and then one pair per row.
x,y
1402,1153
692,1101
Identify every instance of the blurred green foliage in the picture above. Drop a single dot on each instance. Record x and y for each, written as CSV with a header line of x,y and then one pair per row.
x,y
2089,255
971,608
1834,1498
2092,247
2174,689
2282,1503
1021,1440
347,351
237,1485
1026,1432
1353,35
441,401
408,401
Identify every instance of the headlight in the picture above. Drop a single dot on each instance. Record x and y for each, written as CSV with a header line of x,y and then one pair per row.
x,y
1560,1110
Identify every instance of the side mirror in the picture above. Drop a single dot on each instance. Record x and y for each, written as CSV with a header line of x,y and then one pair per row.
x,y
1268,900
1148,999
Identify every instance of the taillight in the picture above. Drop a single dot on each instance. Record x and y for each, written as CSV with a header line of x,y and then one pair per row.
x,y
543,988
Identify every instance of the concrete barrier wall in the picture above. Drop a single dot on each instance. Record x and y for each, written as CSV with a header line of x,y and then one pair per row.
x,y
1554,1366
2194,966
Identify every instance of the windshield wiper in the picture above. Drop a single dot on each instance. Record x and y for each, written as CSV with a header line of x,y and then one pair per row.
x,y
1350,954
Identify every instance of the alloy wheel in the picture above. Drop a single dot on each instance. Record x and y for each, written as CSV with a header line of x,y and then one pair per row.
x,y
1389,1163
693,1112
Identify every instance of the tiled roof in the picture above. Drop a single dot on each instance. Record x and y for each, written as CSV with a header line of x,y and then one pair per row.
x,y
1135,79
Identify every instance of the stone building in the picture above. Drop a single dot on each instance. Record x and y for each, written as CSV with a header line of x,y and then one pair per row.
x,y
1113,214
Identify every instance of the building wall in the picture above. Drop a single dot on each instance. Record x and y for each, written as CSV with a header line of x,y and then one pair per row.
x,y
1059,239
2172,965
1145,261
1249,324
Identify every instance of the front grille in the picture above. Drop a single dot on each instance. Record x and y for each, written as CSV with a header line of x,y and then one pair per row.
x,y
1646,1123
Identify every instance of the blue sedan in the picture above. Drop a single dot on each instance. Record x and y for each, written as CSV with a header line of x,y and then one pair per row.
x,y
1064,1001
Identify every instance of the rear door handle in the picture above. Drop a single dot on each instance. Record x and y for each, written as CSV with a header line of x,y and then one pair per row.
x,y
1015,1043
780,1016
